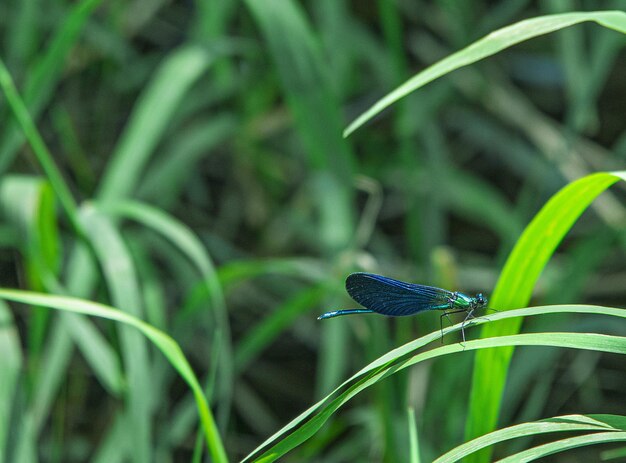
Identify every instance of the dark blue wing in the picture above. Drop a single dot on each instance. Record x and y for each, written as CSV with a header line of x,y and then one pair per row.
x,y
393,297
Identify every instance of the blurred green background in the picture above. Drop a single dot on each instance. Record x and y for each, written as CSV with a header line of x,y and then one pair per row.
x,y
226,117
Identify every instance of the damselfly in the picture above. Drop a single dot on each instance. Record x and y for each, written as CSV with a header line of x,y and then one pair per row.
x,y
395,298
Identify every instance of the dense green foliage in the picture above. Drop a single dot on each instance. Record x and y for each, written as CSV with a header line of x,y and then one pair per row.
x,y
174,182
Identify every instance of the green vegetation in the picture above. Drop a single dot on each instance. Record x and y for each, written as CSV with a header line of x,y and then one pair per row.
x,y
174,183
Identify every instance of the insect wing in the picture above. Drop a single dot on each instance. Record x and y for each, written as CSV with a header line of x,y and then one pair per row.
x,y
393,297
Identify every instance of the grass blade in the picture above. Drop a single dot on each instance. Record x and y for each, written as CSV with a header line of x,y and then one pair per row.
x,y
121,279
413,437
514,289
266,331
564,444
487,46
567,423
313,419
39,147
150,118
43,77
11,366
162,341
184,239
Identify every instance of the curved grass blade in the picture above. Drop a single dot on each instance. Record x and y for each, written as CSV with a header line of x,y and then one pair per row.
x,y
162,341
564,444
514,289
28,202
490,45
184,239
566,423
311,420
121,280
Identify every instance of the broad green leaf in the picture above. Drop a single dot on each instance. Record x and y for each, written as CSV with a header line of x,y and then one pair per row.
x,y
162,341
313,419
490,45
514,289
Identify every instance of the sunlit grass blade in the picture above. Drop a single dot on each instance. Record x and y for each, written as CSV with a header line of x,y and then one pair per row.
x,y
541,451
514,289
490,45
162,341
567,423
313,419
28,205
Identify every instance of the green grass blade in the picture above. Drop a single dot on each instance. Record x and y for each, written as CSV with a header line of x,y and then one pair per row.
x,y
10,366
311,420
490,45
149,119
514,289
413,437
587,341
303,73
269,328
184,239
564,444
40,150
613,454
54,365
121,279
567,423
164,181
162,341
98,353
111,448
28,202
22,34
44,75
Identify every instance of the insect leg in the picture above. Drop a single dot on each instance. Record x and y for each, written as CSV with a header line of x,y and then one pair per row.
x,y
445,314
469,316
